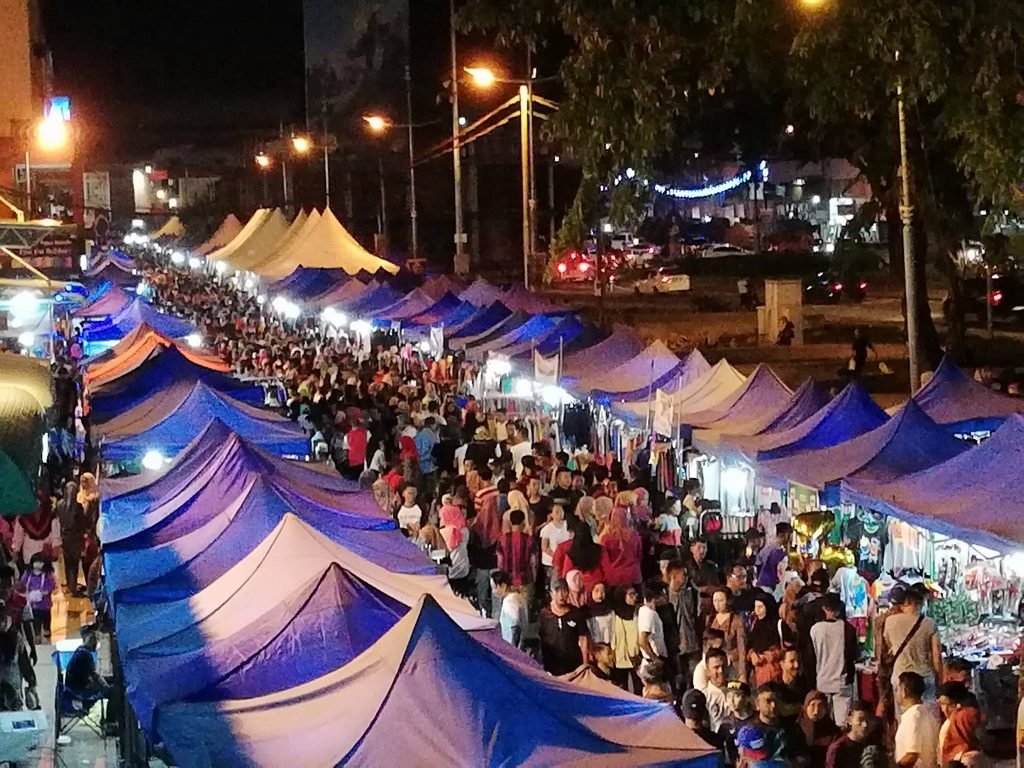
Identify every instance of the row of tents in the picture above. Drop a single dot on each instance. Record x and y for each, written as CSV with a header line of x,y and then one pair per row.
x,y
753,421
267,613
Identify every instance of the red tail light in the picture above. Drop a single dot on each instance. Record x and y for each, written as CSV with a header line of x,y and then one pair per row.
x,y
584,267
996,298
837,286
863,284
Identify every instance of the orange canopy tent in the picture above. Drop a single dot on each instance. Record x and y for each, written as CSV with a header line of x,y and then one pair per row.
x,y
138,347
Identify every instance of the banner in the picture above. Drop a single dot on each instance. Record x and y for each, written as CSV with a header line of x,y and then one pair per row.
x,y
436,341
545,370
663,409
96,190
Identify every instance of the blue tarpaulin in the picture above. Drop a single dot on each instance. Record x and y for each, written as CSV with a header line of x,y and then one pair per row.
x,y
951,398
133,315
484,320
160,372
167,422
306,282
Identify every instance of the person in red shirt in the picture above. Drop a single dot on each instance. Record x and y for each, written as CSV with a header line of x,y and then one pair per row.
x,y
580,553
624,550
354,447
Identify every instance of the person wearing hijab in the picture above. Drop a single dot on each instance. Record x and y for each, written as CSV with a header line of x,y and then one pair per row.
x,y
577,592
818,727
623,550
38,533
626,639
603,508
456,539
580,553
600,615
764,644
586,510
731,625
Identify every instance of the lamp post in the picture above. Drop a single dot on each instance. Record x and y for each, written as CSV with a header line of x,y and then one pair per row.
x,y
379,124
907,217
51,134
300,145
485,78
460,266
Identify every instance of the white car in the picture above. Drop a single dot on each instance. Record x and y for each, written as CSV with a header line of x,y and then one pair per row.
x,y
666,280
640,254
721,250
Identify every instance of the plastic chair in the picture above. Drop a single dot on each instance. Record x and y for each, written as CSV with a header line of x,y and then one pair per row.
x,y
71,707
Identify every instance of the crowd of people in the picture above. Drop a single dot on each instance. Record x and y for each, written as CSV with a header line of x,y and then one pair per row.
x,y
579,559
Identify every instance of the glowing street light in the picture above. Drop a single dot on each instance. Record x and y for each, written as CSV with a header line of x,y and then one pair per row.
x,y
482,76
377,123
263,160
52,133
302,144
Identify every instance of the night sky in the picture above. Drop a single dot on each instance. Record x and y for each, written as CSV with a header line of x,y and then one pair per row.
x,y
158,72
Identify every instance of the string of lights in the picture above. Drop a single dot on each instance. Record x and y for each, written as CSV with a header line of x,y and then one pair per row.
x,y
711,190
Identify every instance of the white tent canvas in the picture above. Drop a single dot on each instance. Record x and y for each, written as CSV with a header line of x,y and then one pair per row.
x,y
274,228
251,227
225,233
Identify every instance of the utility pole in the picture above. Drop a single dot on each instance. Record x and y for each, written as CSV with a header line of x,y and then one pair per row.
x,y
524,166
909,269
414,230
533,167
460,266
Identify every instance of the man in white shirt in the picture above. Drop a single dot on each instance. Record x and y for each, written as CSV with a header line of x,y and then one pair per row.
x,y
834,642
553,533
716,661
917,736
520,448
649,625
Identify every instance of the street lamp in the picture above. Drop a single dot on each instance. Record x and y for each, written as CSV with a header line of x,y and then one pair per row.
x,y
485,78
379,124
52,133
907,216
263,160
302,144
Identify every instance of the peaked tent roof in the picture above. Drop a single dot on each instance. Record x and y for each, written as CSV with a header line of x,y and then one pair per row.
x,y
131,316
274,229
499,329
657,367
494,711
109,270
808,399
481,293
952,397
343,294
135,503
288,555
624,344
530,331
850,414
482,322
307,282
412,304
163,367
328,244
762,392
906,443
171,228
251,227
564,327
517,297
972,496
108,303
441,307
269,250
224,234
438,286
372,300
703,392
97,365
168,420
107,264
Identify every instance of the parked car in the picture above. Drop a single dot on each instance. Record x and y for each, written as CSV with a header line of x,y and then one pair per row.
x,y
722,250
1006,298
575,267
829,288
640,254
665,280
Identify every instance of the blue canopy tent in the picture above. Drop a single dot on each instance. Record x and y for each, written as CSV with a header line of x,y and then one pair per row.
x,y
657,367
428,676
480,323
952,398
308,282
411,304
107,302
166,368
203,538
906,443
132,504
131,316
437,311
762,392
371,300
506,326
528,332
850,414
228,640
809,398
569,328
168,420
977,496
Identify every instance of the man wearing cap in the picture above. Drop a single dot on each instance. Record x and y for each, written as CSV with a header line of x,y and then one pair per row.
x,y
563,633
739,712
693,706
